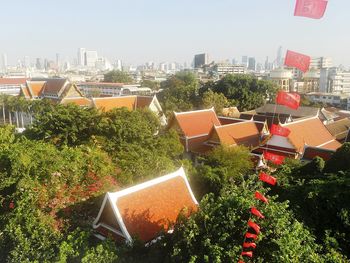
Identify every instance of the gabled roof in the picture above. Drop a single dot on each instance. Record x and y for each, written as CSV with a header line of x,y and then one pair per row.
x,y
196,123
270,119
312,152
35,88
144,101
54,86
339,129
310,132
242,133
280,109
13,81
79,101
107,104
146,209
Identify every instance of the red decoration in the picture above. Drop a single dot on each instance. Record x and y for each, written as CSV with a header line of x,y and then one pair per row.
x,y
297,60
275,158
256,212
310,8
255,226
291,100
267,178
249,245
250,235
11,205
279,130
240,261
247,254
261,197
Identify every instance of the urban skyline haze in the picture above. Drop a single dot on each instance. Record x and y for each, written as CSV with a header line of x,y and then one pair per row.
x,y
138,31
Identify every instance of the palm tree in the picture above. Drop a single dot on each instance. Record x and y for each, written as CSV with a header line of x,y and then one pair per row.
x,y
2,101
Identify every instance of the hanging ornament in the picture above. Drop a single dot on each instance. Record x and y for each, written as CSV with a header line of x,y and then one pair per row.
x,y
261,197
256,212
267,178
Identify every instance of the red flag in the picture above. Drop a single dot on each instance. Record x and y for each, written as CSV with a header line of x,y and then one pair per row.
x,y
297,60
310,8
256,212
250,235
275,158
249,245
279,130
260,197
288,99
247,254
255,226
267,178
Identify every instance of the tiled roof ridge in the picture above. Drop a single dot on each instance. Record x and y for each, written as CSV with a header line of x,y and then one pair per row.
x,y
300,120
195,111
119,97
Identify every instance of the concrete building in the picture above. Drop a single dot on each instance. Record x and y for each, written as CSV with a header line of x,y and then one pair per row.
x,y
245,61
339,101
338,81
4,62
91,58
320,62
201,60
81,57
283,78
311,81
252,64
222,69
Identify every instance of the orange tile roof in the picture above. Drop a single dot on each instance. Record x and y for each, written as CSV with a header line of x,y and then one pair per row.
x,y
311,132
77,101
196,123
143,101
242,133
13,81
146,212
26,92
35,87
107,104
53,86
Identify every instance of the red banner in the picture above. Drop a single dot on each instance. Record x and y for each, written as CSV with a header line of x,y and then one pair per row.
x,y
254,226
250,235
247,254
310,8
279,130
275,158
288,99
261,197
297,60
256,212
267,178
249,245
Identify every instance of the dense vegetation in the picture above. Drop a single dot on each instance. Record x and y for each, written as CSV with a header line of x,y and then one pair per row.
x,y
54,176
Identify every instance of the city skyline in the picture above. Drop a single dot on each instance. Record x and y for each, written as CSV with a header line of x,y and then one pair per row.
x,y
137,32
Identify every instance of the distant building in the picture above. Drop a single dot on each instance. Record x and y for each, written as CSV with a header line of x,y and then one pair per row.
x,y
81,56
336,100
245,61
283,78
221,69
279,59
339,81
252,64
320,63
201,60
4,62
91,58
12,86
311,81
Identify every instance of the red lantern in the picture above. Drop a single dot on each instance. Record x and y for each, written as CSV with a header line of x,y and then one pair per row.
x,y
249,245
261,197
267,178
250,235
255,226
247,254
256,212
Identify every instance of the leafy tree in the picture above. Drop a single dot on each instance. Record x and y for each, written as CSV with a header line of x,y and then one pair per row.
x,y
117,76
340,161
154,85
216,100
180,92
244,91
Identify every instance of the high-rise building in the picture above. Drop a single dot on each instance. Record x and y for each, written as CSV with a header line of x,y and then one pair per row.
x,y
38,64
91,58
320,63
81,56
279,59
245,61
4,62
26,62
58,60
201,60
118,65
252,64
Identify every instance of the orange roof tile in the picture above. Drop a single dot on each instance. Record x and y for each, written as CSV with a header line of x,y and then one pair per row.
x,y
107,104
13,81
35,88
196,123
54,86
242,133
146,209
311,132
143,101
77,101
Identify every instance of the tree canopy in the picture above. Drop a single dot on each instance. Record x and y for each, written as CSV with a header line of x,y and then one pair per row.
x,y
117,76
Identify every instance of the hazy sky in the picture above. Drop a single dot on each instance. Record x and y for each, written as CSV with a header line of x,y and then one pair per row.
x,y
162,30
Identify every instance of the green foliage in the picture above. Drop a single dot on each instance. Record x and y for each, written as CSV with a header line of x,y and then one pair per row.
x,y
154,85
180,92
117,76
244,91
216,100
340,161
223,166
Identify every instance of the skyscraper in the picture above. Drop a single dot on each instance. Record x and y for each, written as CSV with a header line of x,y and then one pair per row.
x,y
91,58
251,64
81,56
4,62
201,60
279,60
245,61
